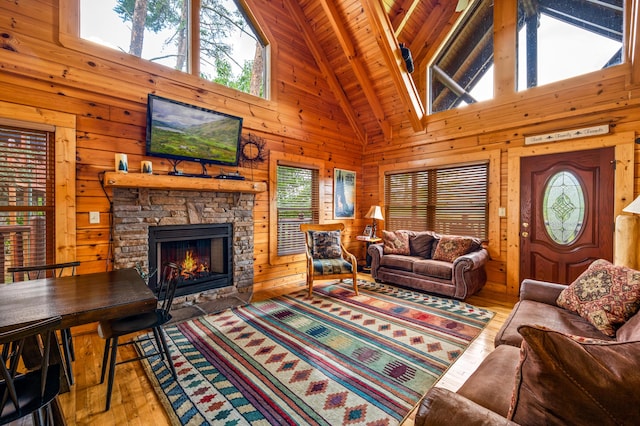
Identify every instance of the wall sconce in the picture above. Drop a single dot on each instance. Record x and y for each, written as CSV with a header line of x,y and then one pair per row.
x,y
375,213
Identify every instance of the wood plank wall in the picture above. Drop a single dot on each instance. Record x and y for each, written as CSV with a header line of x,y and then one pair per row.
x,y
108,97
603,97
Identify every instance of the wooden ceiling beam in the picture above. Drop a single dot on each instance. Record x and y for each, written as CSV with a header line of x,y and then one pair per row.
x,y
390,51
404,13
326,68
344,38
435,29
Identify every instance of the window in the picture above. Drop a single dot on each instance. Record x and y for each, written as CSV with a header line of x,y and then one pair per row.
x,y
448,200
463,71
563,39
298,203
225,49
26,197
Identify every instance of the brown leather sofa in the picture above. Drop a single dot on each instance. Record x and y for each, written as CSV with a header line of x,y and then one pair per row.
x,y
556,378
460,278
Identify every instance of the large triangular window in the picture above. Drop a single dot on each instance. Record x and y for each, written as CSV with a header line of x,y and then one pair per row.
x,y
462,73
560,39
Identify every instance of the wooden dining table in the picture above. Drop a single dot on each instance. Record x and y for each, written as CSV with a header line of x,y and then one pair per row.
x,y
79,299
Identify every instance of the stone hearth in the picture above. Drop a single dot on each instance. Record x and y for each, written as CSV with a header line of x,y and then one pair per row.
x,y
136,209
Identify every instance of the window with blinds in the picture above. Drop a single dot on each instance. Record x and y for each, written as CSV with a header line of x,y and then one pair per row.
x,y
26,197
451,200
298,202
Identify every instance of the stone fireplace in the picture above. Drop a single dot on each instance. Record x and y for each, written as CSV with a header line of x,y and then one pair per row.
x,y
151,223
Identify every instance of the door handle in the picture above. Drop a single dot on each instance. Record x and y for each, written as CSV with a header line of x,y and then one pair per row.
x,y
524,234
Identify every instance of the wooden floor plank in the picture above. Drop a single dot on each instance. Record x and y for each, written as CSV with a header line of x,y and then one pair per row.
x,y
134,401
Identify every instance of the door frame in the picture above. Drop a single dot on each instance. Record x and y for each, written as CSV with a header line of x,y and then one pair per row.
x,y
623,186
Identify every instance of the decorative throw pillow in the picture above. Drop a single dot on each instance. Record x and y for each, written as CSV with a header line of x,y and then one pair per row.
x,y
563,380
606,295
420,244
326,245
449,247
395,242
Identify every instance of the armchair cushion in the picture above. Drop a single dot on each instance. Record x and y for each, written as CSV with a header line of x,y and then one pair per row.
x,y
325,245
569,380
450,247
396,242
331,266
606,295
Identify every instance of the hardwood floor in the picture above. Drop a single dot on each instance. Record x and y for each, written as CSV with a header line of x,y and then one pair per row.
x,y
134,402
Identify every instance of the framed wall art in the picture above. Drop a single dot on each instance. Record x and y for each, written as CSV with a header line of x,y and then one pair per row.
x,y
344,194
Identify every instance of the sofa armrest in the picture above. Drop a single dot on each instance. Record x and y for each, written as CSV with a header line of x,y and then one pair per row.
x,y
470,261
469,275
376,251
440,406
540,291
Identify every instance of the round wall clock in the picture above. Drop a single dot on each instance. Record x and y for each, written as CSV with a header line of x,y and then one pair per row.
x,y
252,149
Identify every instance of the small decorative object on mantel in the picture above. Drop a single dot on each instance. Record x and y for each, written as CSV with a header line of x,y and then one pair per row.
x,y
146,167
122,164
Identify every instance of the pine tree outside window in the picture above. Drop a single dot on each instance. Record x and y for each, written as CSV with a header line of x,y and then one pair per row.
x,y
223,46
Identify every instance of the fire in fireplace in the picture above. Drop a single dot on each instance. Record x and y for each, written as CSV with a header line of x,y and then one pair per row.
x,y
202,251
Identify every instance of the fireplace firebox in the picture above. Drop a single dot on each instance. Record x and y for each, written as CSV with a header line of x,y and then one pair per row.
x,y
203,252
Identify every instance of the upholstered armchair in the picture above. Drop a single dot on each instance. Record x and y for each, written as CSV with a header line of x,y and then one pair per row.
x,y
326,256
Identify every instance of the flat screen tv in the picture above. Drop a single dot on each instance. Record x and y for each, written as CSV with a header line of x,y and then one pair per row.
x,y
179,131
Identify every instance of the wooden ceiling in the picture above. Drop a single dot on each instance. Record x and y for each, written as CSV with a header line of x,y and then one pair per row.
x,y
356,46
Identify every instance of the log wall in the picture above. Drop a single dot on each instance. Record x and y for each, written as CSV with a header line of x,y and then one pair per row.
x,y
108,99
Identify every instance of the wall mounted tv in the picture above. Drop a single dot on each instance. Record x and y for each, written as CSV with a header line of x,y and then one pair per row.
x,y
179,131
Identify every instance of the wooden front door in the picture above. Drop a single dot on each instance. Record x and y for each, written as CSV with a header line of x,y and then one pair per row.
x,y
566,213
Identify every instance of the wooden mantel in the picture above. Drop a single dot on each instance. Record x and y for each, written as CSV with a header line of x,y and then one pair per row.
x,y
142,180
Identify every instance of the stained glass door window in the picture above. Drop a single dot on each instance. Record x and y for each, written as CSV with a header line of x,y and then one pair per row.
x,y
563,207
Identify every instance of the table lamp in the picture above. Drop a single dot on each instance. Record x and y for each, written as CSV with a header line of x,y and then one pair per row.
x,y
627,231
375,213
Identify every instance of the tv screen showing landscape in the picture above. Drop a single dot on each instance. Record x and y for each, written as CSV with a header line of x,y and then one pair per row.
x,y
180,131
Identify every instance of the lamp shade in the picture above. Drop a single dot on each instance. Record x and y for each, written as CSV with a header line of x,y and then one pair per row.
x,y
634,207
375,212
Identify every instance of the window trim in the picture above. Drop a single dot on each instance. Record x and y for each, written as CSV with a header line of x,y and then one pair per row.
x,y
493,198
64,127
280,158
69,37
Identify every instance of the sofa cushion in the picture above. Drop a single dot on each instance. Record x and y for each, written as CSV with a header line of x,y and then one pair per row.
x,y
325,245
538,313
396,261
420,244
630,330
451,247
433,268
607,295
489,385
566,381
396,242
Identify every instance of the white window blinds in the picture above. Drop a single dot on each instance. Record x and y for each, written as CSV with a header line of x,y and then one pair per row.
x,y
298,202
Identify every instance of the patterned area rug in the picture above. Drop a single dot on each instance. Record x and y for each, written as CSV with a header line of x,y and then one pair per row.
x,y
334,359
